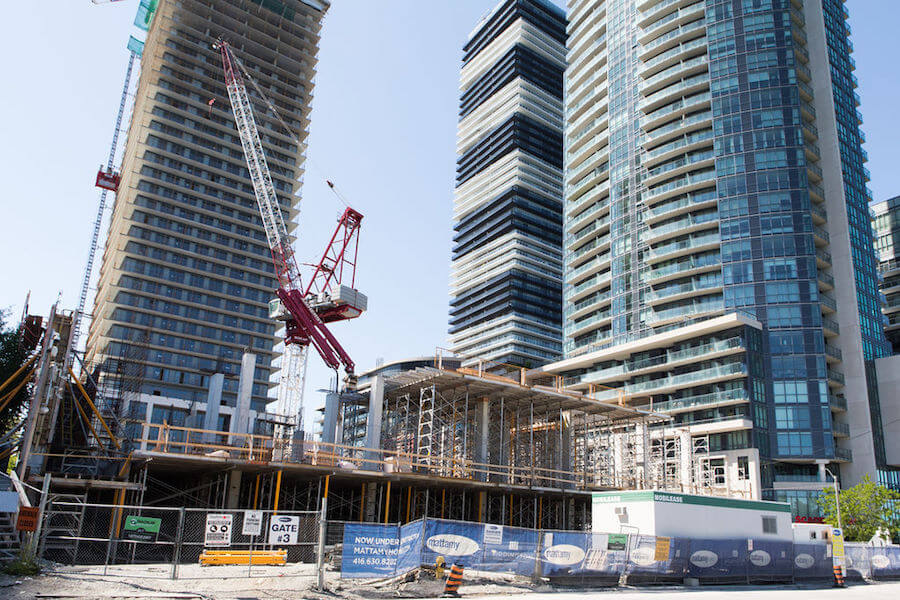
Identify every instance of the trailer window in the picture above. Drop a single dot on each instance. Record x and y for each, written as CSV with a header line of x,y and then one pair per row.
x,y
769,525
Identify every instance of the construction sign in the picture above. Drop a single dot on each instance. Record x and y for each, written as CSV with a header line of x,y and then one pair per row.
x,y
661,552
837,546
141,529
28,519
617,541
218,530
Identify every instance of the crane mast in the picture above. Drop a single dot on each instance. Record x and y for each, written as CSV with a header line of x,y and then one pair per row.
x,y
303,325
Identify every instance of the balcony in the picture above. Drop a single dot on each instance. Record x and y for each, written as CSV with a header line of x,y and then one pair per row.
x,y
833,353
837,403
704,400
831,327
826,281
843,455
840,430
835,379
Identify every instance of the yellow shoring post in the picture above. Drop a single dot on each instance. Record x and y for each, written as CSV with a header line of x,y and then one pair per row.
x,y
18,372
277,492
86,420
256,491
387,502
12,394
510,509
87,398
327,481
408,501
443,498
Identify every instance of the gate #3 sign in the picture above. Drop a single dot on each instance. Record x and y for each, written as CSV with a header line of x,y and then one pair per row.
x,y
283,530
218,530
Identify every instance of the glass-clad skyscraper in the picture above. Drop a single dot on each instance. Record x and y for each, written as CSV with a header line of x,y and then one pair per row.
x,y
507,262
719,260
187,272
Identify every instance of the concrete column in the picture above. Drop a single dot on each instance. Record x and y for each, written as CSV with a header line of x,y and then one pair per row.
x,y
329,422
232,498
482,431
213,402
240,420
822,475
373,422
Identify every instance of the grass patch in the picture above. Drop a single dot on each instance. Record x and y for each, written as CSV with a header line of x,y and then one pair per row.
x,y
22,566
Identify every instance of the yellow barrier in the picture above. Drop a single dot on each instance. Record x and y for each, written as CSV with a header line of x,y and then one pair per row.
x,y
243,557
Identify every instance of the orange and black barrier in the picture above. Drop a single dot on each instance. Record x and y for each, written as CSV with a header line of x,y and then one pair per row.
x,y
451,588
838,576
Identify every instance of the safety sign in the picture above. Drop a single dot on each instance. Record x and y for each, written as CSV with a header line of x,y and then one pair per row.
x,y
252,522
218,530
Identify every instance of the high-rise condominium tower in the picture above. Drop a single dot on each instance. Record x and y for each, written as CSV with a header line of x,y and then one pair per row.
x,y
719,257
507,259
186,271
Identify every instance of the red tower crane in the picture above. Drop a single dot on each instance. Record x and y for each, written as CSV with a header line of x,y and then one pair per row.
x,y
326,298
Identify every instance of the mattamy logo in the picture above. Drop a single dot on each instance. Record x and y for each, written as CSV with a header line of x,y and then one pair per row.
x,y
881,561
704,558
760,558
644,556
564,554
452,545
804,561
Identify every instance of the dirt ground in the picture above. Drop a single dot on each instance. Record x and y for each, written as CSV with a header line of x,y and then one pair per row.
x,y
298,581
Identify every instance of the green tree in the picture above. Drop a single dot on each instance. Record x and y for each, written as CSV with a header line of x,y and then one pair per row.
x,y
866,509
12,356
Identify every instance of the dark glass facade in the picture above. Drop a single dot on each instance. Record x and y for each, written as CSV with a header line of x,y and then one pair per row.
x,y
507,290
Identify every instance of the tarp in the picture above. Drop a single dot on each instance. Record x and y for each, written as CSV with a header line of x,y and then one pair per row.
x,y
718,559
508,549
370,550
885,562
409,553
812,561
459,543
770,560
857,560
653,556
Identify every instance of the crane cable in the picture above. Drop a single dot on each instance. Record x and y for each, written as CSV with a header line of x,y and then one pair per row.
x,y
286,127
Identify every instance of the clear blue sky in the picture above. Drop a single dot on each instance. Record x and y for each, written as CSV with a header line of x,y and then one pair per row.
x,y
383,128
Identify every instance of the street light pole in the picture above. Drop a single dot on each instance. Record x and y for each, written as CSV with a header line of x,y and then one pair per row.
x,y
837,498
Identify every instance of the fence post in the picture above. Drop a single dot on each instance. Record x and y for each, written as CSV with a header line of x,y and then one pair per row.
x,y
42,505
536,574
179,537
320,554
109,543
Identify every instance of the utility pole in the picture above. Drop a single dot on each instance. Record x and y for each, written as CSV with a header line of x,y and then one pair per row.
x,y
37,394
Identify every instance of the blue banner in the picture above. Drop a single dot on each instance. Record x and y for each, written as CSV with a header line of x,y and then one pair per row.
x,y
857,560
770,560
458,543
135,45
885,562
812,561
370,550
508,550
409,554
718,559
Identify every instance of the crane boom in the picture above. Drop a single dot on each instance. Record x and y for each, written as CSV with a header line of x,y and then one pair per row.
x,y
304,326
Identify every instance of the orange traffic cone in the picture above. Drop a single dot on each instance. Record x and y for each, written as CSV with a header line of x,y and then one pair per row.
x,y
838,576
451,588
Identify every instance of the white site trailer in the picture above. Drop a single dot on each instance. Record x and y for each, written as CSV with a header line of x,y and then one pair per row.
x,y
669,514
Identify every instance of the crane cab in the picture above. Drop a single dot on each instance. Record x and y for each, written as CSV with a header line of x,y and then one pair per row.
x,y
107,179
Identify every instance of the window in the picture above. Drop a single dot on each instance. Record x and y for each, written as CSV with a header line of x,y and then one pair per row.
x,y
769,525
743,464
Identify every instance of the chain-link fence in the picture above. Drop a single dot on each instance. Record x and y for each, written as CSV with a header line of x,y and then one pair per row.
x,y
170,542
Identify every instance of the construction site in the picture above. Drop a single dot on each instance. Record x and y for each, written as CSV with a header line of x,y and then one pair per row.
x,y
182,404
